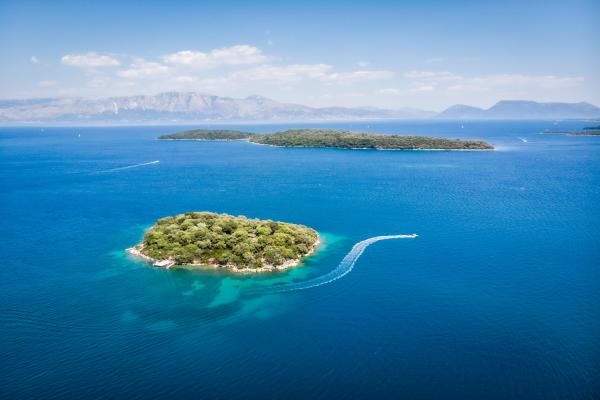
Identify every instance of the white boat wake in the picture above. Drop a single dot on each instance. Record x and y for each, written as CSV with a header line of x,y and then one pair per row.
x,y
522,139
344,267
129,167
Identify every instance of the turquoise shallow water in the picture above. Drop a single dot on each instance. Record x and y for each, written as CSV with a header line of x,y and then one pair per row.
x,y
498,297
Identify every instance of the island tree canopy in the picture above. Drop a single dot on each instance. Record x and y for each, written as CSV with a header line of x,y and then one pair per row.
x,y
207,134
209,238
358,140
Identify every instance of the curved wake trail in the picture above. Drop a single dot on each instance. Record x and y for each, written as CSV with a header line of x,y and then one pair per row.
x,y
129,167
344,267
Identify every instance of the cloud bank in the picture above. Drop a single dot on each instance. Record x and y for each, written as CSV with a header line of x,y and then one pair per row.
x,y
243,69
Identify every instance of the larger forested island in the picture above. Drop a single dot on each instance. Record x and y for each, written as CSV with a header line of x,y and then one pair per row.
x,y
238,244
336,139
358,140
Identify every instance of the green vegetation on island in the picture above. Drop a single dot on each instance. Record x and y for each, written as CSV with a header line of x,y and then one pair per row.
x,y
358,140
207,134
336,139
221,240
588,131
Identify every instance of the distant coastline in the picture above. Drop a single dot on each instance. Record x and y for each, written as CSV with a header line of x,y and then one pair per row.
x,y
586,131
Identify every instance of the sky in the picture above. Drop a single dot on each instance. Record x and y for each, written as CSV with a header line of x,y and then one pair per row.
x,y
421,54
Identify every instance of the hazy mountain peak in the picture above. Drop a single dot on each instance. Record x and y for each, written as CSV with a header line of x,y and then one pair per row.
x,y
523,109
257,97
461,111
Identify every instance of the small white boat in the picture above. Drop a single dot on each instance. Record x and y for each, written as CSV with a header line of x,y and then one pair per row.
x,y
164,263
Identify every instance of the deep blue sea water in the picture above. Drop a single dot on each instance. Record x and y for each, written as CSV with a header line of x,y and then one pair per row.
x,y
498,297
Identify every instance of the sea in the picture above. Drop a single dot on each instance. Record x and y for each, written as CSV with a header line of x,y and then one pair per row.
x,y
498,297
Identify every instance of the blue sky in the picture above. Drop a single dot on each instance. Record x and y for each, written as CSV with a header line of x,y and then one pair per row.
x,y
425,54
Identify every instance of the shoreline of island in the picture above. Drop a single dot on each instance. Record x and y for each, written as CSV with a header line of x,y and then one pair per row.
x,y
320,147
136,251
332,147
203,140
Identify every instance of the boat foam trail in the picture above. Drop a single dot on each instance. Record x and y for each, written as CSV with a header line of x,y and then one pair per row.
x,y
130,166
522,139
344,267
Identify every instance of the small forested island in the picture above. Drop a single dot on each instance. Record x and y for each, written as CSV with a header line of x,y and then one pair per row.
x,y
207,134
238,244
335,139
357,140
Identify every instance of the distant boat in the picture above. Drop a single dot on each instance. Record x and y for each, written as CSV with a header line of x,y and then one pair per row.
x,y
523,140
164,263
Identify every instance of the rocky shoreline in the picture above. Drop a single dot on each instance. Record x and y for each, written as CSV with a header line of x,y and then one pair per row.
x,y
137,251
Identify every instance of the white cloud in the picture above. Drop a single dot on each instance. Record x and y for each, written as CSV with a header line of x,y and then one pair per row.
x,y
431,75
89,60
428,80
417,87
296,72
286,73
228,70
142,69
184,79
358,76
233,55
240,70
355,94
388,91
540,81
34,60
98,81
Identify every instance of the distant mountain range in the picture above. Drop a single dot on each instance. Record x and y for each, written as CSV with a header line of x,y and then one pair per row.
x,y
185,107
518,109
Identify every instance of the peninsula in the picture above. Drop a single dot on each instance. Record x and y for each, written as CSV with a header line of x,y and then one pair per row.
x,y
587,131
336,139
238,244
207,134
